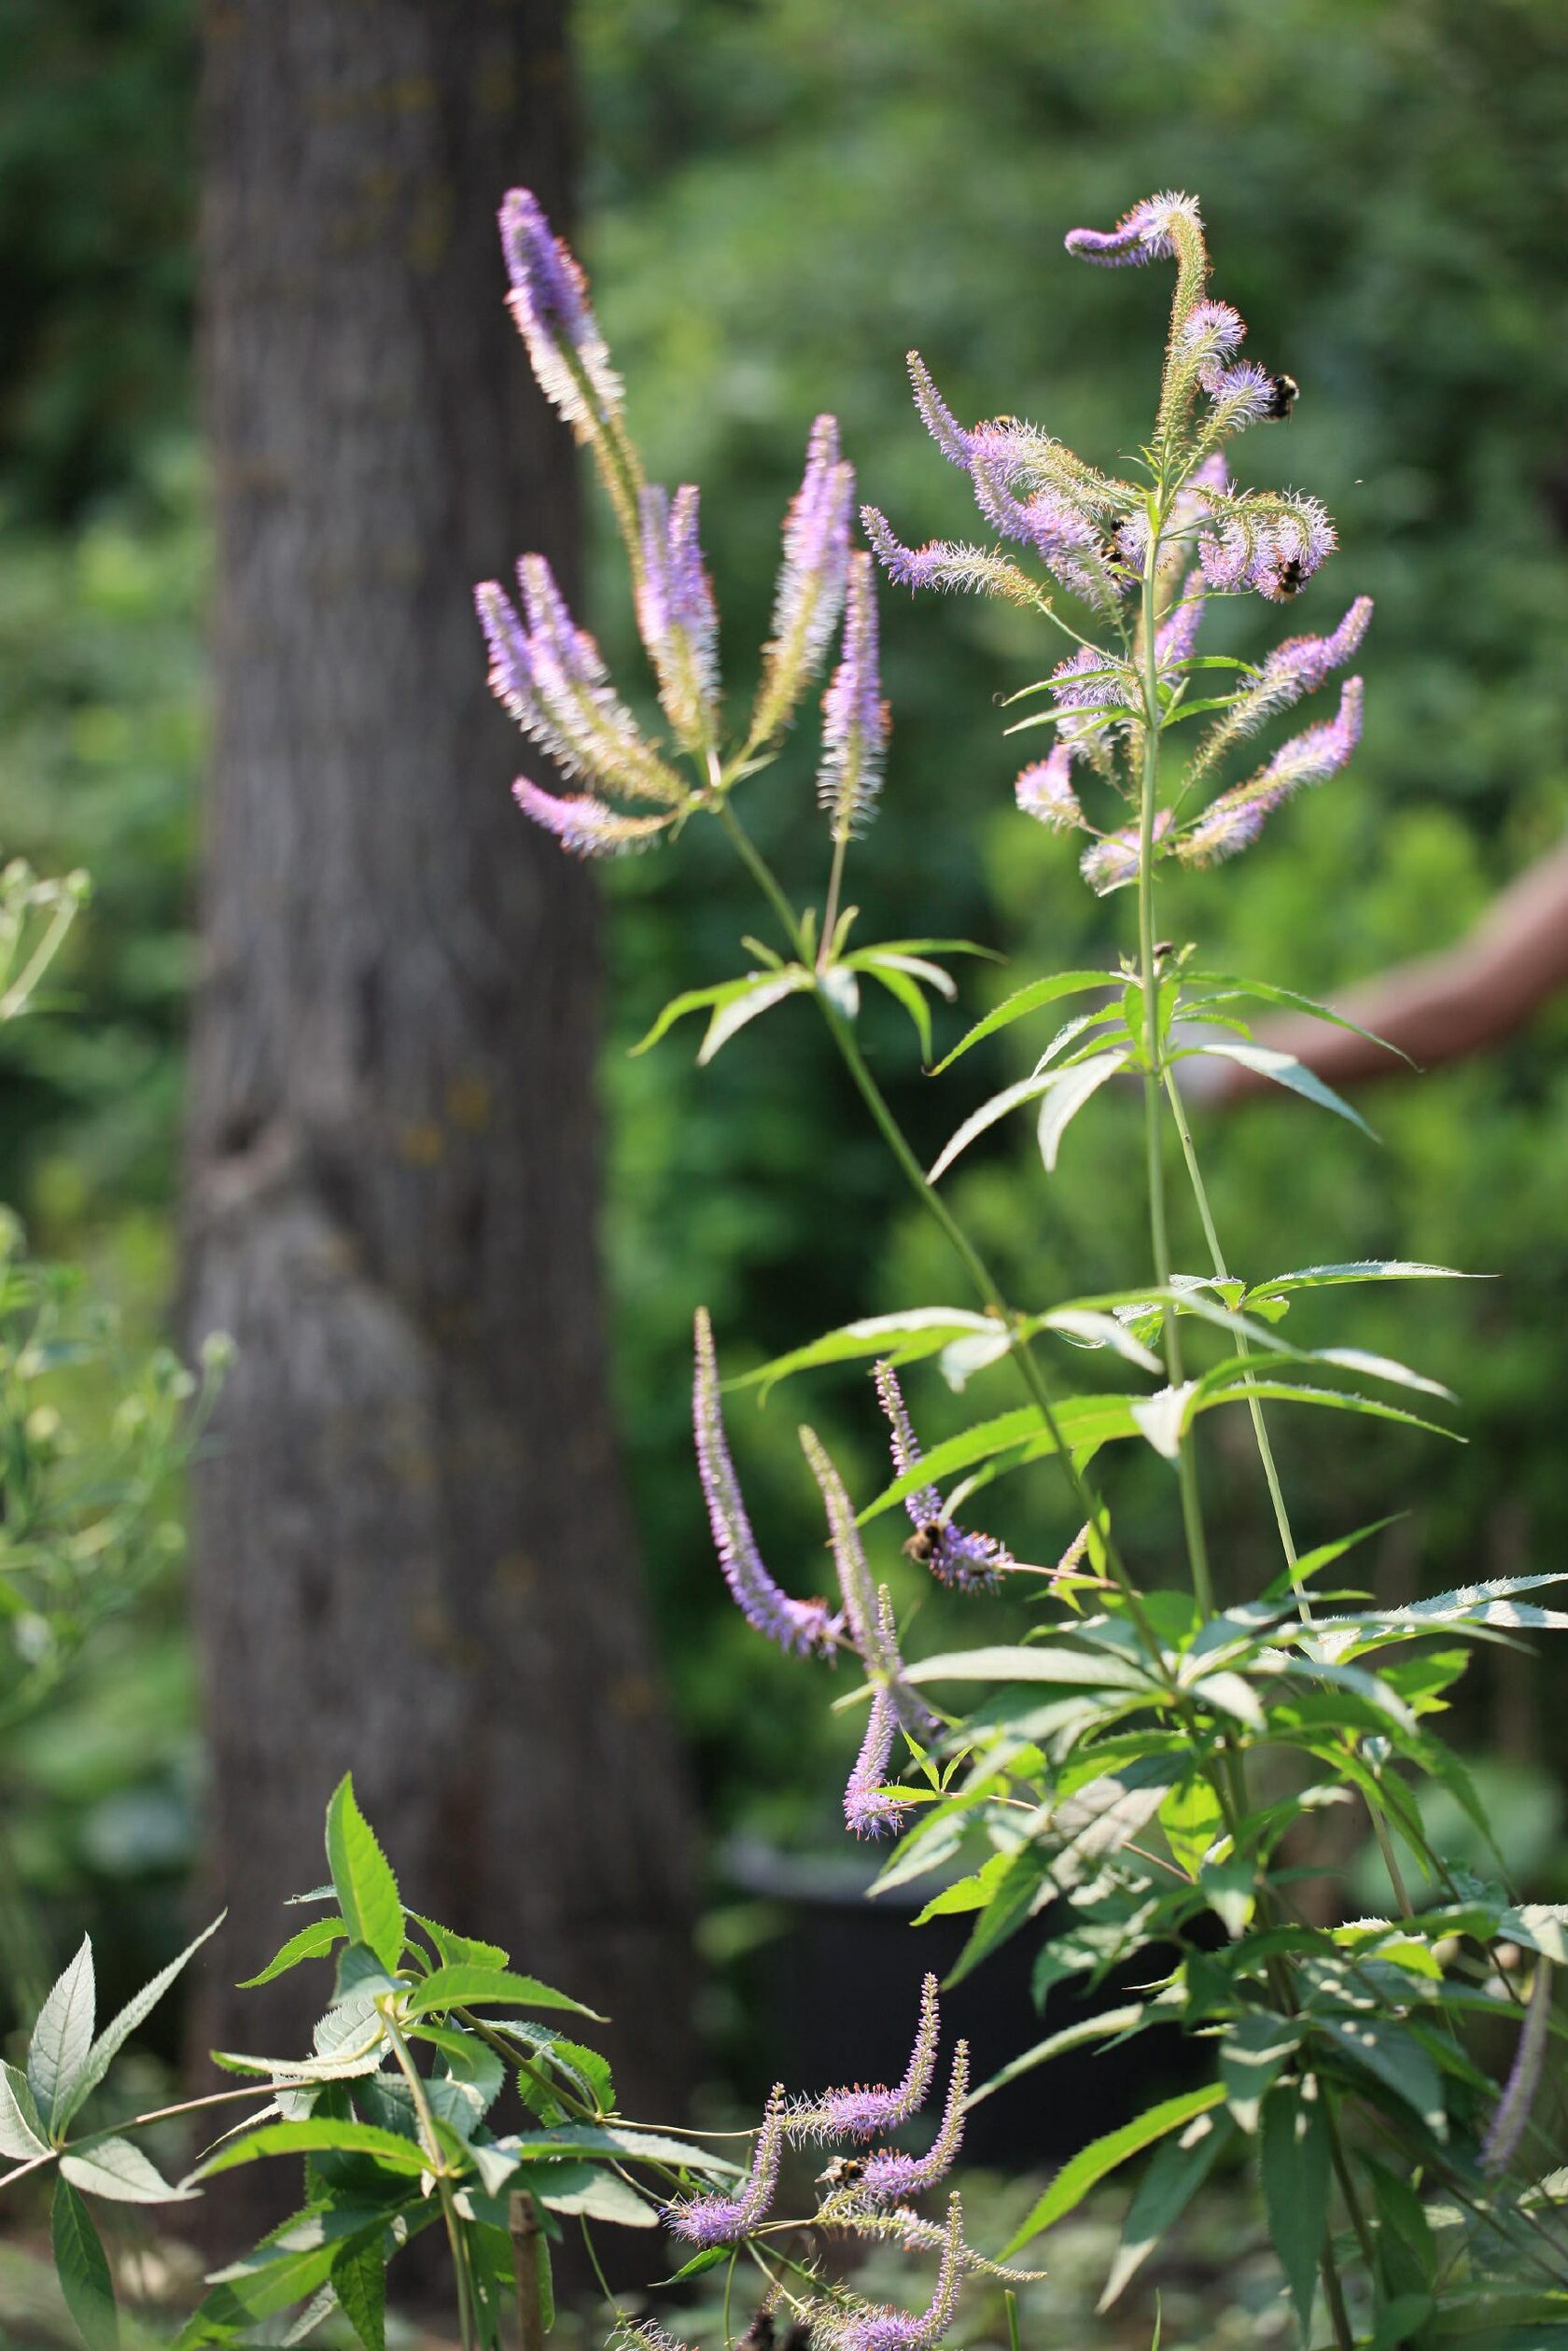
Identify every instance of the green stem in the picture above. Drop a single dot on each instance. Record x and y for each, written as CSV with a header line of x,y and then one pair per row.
x,y
1186,1468
443,2186
830,912
1260,1427
1344,2334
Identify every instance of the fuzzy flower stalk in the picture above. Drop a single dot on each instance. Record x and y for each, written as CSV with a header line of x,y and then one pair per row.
x,y
968,1563
862,2113
877,2327
713,2219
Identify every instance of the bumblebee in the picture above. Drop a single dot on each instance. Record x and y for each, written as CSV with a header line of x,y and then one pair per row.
x,y
840,2172
923,1542
1292,577
1283,394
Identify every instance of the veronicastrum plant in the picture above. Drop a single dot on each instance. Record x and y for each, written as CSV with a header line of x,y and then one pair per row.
x,y
1131,1785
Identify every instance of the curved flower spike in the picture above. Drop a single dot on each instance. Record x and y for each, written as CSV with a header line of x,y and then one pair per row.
x,y
868,1611
860,2113
1044,791
946,562
725,2218
802,1628
855,718
1233,821
967,1562
889,2177
549,299
676,615
877,2327
586,827
938,419
869,1810
809,596
1111,862
1147,233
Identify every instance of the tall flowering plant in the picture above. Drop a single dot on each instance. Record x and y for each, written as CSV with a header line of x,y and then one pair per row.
x,y
1130,1782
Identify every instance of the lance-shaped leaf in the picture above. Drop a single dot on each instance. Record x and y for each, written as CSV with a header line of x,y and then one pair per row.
x,y
83,2270
137,2010
62,2040
1266,1061
1092,2164
114,2169
1295,2170
366,1889
1173,2178
1024,1000
21,2126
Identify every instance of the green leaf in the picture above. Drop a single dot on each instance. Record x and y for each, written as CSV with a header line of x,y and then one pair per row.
x,y
1263,993
1029,999
1251,2059
904,992
83,2270
697,999
111,2041
1088,2029
1052,1662
1285,1070
311,1942
1354,1270
902,1339
1396,2059
366,1889
1295,2169
487,1987
1192,1818
21,2126
1010,1904
58,2053
1067,1098
461,1950
1092,2164
112,2167
359,2282
1168,2187
621,2143
760,995
317,2135
605,2197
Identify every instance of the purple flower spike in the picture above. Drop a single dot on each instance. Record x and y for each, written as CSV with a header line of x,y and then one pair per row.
x,y
869,1810
802,1628
936,416
889,2178
879,2328
676,615
855,718
1210,336
809,596
867,1612
1301,663
860,2113
583,826
1233,821
1242,395
946,562
1147,233
549,299
967,1562
1044,791
724,2220
550,677
1111,862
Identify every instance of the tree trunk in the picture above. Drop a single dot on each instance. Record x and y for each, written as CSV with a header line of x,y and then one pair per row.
x,y
414,1555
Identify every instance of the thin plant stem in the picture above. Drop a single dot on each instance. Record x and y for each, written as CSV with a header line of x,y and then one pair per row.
x,y
830,911
443,2186
524,2229
1333,2293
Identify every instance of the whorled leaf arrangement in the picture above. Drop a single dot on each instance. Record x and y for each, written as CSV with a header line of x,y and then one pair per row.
x,y
1138,1782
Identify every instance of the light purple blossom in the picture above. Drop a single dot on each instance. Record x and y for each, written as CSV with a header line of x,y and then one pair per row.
x,y
1266,543
550,678
724,2219
877,2327
1044,791
890,2178
862,2113
1210,336
968,1563
867,1612
549,301
1087,688
936,416
946,562
1242,395
1111,862
1233,821
869,1808
802,1628
1147,233
1300,665
809,595
676,615
586,827
855,718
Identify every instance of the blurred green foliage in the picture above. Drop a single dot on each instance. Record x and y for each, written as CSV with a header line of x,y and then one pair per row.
x,y
782,198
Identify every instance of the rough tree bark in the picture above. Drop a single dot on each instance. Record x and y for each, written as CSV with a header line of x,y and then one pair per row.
x,y
414,1552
